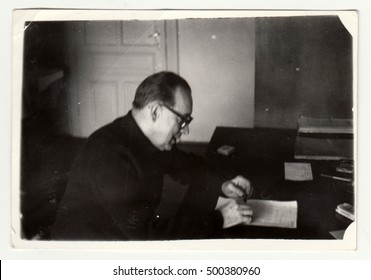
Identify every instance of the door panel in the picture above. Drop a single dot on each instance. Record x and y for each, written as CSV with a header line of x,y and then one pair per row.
x,y
102,33
127,92
106,64
139,33
112,59
104,100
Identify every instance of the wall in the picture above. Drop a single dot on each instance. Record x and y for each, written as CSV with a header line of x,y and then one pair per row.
x,y
217,58
303,67
44,102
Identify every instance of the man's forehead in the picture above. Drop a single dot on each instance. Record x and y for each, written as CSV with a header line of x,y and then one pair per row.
x,y
183,101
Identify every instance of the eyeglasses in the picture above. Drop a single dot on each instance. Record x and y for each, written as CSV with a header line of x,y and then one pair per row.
x,y
184,119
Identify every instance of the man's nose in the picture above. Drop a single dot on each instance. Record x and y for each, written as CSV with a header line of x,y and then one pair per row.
x,y
185,130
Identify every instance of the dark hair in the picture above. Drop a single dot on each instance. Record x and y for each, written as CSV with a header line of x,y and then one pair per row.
x,y
159,87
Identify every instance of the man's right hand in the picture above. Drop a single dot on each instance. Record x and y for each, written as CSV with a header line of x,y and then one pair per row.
x,y
235,213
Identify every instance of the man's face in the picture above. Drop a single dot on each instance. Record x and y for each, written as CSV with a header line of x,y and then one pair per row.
x,y
169,125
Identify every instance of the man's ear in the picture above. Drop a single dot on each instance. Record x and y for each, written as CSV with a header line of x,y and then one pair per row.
x,y
155,112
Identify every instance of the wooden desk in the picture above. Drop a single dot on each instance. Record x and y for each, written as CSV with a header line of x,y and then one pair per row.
x,y
259,155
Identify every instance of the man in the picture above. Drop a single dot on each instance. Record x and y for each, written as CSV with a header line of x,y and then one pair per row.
x,y
116,181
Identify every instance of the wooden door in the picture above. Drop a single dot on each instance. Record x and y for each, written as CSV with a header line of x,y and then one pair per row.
x,y
108,60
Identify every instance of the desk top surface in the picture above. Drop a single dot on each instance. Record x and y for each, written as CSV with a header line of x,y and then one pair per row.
x,y
259,155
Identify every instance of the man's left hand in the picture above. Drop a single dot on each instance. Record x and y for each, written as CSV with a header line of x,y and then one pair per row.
x,y
237,188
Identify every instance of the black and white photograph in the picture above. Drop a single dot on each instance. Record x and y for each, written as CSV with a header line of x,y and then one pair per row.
x,y
174,127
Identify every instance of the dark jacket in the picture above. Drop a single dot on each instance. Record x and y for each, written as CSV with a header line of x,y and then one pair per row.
x,y
116,183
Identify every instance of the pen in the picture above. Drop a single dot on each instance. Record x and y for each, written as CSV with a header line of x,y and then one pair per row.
x,y
245,196
337,178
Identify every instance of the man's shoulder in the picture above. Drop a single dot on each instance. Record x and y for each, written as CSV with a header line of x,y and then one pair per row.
x,y
114,132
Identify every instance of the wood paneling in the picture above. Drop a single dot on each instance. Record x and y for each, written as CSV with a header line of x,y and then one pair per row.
x,y
303,67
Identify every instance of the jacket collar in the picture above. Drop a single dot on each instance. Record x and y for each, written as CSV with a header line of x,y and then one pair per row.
x,y
137,138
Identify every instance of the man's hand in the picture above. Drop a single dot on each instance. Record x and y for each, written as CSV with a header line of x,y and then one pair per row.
x,y
238,188
235,213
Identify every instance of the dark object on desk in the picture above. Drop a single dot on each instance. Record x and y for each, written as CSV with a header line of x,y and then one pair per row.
x,y
260,158
337,178
345,166
346,210
320,125
330,148
226,150
324,139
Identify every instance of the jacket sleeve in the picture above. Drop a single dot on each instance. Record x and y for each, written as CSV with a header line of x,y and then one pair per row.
x,y
116,185
196,217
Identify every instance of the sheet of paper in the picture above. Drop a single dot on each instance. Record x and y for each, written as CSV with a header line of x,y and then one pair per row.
x,y
274,213
296,171
270,213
